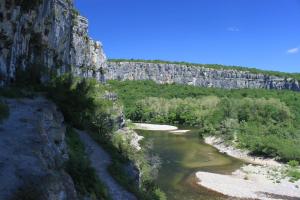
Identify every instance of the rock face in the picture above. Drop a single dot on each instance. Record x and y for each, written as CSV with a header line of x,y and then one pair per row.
x,y
196,76
33,152
46,36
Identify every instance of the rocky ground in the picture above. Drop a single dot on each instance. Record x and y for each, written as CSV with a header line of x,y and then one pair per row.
x,y
238,153
265,180
33,152
100,161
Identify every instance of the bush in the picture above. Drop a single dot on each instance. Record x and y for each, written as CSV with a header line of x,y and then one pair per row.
x,y
159,195
81,101
293,163
294,175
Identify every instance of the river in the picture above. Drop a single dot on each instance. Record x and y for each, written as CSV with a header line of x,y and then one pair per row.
x,y
182,156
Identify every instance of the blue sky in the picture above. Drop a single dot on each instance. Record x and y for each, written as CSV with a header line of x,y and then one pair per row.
x,y
256,33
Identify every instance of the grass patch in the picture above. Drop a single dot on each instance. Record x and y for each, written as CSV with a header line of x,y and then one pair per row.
x,y
79,168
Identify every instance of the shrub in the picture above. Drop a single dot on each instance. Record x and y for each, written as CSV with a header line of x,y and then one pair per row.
x,y
294,175
293,163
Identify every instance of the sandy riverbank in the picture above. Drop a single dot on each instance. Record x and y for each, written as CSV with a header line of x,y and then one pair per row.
x,y
158,127
154,127
251,182
264,181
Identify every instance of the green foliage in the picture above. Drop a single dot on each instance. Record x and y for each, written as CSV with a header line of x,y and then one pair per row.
x,y
293,163
160,195
122,154
294,175
264,121
214,66
79,168
189,111
4,111
83,104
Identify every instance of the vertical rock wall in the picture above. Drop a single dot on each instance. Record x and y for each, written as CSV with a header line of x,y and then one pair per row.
x,y
197,76
47,37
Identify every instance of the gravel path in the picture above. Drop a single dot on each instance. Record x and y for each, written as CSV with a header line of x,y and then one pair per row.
x,y
100,160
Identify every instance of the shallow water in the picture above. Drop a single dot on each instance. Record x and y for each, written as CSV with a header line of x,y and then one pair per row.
x,y
182,156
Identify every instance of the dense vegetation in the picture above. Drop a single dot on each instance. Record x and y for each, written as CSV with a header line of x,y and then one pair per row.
x,y
215,66
84,106
79,168
265,122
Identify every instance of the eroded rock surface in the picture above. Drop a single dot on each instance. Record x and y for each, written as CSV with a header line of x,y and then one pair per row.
x,y
197,76
47,37
33,151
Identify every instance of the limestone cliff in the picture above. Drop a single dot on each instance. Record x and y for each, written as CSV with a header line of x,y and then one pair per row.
x,y
33,152
47,37
197,76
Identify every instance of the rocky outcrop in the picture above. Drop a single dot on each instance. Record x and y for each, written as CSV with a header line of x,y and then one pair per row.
x,y
197,76
33,152
46,37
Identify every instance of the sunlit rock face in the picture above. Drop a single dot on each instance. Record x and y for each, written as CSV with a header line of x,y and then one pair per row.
x,y
47,35
196,76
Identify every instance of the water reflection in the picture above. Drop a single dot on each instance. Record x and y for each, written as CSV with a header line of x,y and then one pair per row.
x,y
182,156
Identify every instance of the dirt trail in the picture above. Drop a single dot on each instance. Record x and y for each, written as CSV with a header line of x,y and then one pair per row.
x,y
100,160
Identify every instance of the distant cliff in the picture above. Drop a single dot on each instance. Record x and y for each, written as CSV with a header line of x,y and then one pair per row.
x,y
46,37
197,75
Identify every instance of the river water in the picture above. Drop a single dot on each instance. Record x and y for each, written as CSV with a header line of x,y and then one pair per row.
x,y
182,156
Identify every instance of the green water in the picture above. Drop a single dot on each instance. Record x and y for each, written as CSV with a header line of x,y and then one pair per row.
x,y
182,156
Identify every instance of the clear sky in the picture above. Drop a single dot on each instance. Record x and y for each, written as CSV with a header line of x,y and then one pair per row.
x,y
256,33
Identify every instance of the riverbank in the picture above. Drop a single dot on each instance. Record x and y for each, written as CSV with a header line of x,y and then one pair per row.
x,y
256,182
219,144
265,180
154,127
159,127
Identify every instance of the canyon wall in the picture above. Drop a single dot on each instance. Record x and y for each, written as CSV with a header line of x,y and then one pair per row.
x,y
197,76
45,38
